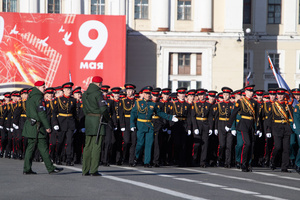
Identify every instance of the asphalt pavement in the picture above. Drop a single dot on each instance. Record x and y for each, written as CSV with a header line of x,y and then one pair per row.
x,y
123,182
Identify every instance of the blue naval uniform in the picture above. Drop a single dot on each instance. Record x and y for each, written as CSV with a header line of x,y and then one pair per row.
x,y
141,116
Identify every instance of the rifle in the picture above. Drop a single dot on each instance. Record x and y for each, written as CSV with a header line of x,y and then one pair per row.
x,y
99,128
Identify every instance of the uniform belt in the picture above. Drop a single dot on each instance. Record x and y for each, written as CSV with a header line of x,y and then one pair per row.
x,y
127,115
290,120
143,120
280,121
223,119
65,115
181,118
201,118
93,114
155,117
23,115
5,118
247,117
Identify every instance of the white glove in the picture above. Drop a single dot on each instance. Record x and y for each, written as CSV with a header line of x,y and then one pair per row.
x,y
233,132
169,132
164,129
210,132
1,127
7,129
189,132
15,126
115,128
196,131
122,129
133,128
294,126
11,130
56,127
268,135
259,133
83,130
174,119
227,129
216,132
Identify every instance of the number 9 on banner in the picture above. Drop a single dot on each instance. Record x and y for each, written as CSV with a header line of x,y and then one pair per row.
x,y
96,44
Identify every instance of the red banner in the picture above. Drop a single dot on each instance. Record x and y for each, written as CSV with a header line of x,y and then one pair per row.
x,y
60,47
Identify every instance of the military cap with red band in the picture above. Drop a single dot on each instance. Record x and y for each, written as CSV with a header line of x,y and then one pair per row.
x,y
58,88
249,87
166,91
68,85
39,83
181,90
266,95
272,91
155,92
280,90
191,92
77,90
7,94
226,90
105,88
136,94
49,90
15,94
122,95
201,91
97,79
25,90
259,92
212,93
129,86
147,89
115,90
296,91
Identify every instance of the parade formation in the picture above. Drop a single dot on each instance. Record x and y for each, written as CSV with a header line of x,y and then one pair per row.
x,y
152,127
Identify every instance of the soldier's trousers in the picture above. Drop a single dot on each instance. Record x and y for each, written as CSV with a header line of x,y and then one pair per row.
x,y
117,140
180,137
53,144
18,142
144,139
106,146
238,147
79,138
281,134
157,145
293,146
43,148
225,145
3,139
246,150
201,144
91,154
65,138
9,146
129,144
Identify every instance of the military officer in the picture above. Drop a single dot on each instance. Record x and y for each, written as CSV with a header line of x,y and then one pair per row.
x,y
3,125
140,120
36,128
95,110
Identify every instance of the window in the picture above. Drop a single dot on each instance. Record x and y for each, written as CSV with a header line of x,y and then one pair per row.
x,y
274,12
184,64
186,84
247,12
98,7
272,85
199,84
184,10
199,64
141,9
53,6
275,60
9,6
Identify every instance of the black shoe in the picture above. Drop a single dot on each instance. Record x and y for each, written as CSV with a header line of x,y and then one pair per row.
x,y
203,166
238,165
292,164
156,165
134,163
1,155
77,162
20,157
272,166
87,174
29,173
8,156
147,166
119,163
245,168
285,170
56,170
106,165
297,169
96,174
58,162
69,163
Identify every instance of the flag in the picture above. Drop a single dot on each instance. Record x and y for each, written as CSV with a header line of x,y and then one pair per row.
x,y
247,82
281,82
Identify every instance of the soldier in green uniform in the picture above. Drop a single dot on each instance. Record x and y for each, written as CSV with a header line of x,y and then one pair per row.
x,y
35,129
94,107
140,119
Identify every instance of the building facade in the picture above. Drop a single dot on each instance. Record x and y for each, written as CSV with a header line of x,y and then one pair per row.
x,y
197,43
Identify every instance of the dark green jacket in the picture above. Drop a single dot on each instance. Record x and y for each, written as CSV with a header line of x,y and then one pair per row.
x,y
35,109
93,105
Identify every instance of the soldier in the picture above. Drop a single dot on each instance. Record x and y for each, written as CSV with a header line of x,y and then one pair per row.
x,y
95,110
202,118
249,111
296,114
64,114
278,126
129,136
19,119
119,124
3,125
225,137
59,91
36,129
104,89
80,127
140,119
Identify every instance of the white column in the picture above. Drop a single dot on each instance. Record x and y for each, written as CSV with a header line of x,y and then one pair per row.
x,y
175,63
87,7
233,16
76,7
122,6
43,6
130,14
160,15
24,6
173,10
259,16
205,13
67,6
290,16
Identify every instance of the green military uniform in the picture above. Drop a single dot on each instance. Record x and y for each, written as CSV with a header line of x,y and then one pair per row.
x,y
297,132
239,141
93,107
35,109
141,118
